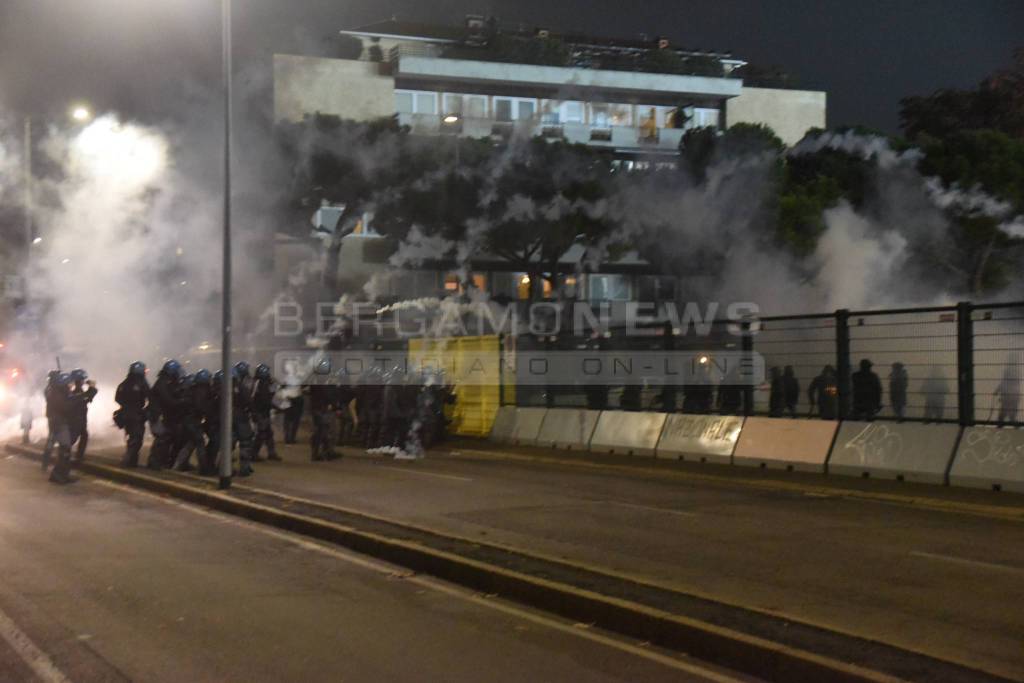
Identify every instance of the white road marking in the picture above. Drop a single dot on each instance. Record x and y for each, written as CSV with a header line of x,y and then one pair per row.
x,y
390,571
953,559
36,659
425,474
649,508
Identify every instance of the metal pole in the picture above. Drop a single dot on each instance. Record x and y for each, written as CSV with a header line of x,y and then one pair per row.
x,y
965,363
29,208
226,388
843,361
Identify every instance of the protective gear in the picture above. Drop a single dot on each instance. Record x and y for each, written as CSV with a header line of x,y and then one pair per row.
x,y
262,405
241,369
60,409
190,436
78,375
187,381
241,399
137,368
132,395
166,408
78,417
218,377
323,366
172,368
262,371
321,404
202,377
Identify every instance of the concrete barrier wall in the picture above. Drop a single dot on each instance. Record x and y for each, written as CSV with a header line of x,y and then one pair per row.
x,y
990,457
504,424
703,438
627,433
528,423
785,444
890,450
569,428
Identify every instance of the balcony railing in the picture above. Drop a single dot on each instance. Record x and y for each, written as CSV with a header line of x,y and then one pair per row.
x,y
619,137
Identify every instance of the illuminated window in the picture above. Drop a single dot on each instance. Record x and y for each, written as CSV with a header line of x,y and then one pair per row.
x,y
451,283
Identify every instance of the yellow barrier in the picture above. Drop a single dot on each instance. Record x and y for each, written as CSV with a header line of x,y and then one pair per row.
x,y
476,404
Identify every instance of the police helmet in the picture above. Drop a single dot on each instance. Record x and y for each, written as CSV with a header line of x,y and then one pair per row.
x,y
79,375
188,380
63,379
218,377
323,367
172,369
137,368
262,371
202,376
241,369
52,376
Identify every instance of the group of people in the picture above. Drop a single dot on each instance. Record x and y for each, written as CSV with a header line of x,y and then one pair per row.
x,y
183,412
67,396
823,392
394,411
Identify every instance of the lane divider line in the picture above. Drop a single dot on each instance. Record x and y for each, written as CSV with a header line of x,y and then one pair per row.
x,y
37,660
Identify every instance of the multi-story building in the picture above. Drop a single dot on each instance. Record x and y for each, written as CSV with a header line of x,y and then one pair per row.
x,y
635,98
630,95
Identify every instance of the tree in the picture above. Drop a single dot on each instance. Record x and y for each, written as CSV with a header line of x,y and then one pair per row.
x,y
991,162
997,103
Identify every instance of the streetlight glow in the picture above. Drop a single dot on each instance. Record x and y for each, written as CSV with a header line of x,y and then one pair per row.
x,y
81,113
37,240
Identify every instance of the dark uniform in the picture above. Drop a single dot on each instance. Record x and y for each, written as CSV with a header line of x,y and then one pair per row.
x,y
790,390
211,419
867,392
190,438
166,408
132,396
81,397
50,433
60,416
241,416
262,405
321,407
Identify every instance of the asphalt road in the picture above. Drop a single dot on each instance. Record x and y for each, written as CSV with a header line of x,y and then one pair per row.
x,y
102,583
934,581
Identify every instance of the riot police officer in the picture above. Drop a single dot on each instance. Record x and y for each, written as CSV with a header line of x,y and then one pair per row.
x,y
132,395
166,405
262,405
60,411
190,437
211,419
322,398
241,416
79,417
51,381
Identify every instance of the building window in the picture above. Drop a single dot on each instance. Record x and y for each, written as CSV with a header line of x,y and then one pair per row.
x,y
426,103
415,102
572,112
527,109
502,109
403,102
453,104
705,117
476,106
603,115
609,288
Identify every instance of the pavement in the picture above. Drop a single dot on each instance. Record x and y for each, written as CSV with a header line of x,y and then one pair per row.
x,y
107,583
928,569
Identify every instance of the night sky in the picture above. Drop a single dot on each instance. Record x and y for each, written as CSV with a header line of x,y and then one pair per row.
x,y
151,58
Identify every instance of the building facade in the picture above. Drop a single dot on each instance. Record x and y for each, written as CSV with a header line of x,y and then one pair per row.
x,y
630,96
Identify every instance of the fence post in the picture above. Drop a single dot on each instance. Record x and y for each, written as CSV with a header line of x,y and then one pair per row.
x,y
965,362
747,346
843,361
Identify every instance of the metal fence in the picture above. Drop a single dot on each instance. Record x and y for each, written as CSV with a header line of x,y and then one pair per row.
x,y
962,363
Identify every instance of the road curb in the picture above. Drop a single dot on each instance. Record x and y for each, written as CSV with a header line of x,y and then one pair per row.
x,y
715,644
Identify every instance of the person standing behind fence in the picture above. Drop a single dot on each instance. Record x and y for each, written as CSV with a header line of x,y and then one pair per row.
x,y
867,393
790,390
776,392
1008,393
823,394
898,381
935,389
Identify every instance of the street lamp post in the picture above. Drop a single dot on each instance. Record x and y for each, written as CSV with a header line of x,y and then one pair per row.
x,y
226,386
